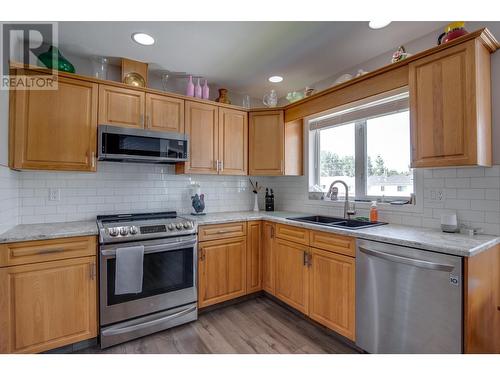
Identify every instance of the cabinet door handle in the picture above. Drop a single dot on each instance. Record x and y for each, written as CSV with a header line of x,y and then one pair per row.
x,y
304,259
92,157
272,232
92,271
281,167
221,165
202,255
217,165
309,259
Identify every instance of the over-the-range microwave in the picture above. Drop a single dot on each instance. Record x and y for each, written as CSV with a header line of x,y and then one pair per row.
x,y
123,144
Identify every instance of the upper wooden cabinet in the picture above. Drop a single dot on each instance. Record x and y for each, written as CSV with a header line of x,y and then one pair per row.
x,y
450,107
202,127
164,113
233,142
54,129
218,140
121,107
275,148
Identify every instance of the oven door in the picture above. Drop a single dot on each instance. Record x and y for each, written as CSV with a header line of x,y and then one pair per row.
x,y
169,279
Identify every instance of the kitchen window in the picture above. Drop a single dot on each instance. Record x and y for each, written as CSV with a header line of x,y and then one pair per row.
x,y
367,146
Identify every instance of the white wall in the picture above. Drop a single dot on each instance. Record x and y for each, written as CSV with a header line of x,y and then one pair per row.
x,y
124,188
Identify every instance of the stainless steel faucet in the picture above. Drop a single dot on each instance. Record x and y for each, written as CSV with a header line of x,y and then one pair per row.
x,y
348,211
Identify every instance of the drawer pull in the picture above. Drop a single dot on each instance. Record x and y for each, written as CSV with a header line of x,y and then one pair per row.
x,y
49,251
226,231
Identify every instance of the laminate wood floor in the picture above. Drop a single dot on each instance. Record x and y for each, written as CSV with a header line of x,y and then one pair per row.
x,y
256,326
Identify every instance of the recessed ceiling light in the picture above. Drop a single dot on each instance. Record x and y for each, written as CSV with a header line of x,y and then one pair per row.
x,y
378,24
143,38
275,79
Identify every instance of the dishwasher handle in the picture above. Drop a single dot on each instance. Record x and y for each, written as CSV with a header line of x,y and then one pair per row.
x,y
406,260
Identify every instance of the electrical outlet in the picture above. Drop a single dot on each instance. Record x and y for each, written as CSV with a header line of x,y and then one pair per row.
x,y
54,194
437,195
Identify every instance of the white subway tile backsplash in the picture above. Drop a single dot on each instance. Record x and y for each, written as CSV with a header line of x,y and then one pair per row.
x,y
457,182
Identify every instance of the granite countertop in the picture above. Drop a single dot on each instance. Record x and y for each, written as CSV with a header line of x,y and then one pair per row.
x,y
422,238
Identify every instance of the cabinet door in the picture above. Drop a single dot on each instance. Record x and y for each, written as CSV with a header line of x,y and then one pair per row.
x,y
121,107
292,281
442,108
164,113
54,129
266,143
233,142
268,257
202,126
332,291
47,305
254,256
221,270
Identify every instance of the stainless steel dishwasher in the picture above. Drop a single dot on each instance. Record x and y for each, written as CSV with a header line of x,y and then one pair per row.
x,y
407,300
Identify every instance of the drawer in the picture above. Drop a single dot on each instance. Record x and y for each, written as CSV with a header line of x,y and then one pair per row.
x,y
291,233
16,253
219,231
333,242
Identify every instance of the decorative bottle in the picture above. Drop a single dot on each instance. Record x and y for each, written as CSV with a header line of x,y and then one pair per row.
x,y
197,89
206,90
190,87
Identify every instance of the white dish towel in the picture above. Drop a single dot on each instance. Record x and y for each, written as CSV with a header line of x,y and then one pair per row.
x,y
128,272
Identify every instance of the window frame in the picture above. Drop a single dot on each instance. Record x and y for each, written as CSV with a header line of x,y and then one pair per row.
x,y
360,160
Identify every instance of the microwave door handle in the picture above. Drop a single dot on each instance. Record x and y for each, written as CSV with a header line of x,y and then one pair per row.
x,y
156,248
406,260
134,327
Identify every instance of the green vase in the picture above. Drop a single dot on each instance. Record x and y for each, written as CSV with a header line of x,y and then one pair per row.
x,y
53,53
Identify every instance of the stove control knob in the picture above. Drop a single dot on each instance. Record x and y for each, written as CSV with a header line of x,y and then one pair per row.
x,y
178,226
187,225
113,232
124,231
171,226
134,230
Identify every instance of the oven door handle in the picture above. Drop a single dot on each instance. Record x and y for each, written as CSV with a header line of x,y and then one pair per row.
x,y
134,327
156,248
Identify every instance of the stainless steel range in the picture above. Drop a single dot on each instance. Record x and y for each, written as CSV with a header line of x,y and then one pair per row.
x,y
168,294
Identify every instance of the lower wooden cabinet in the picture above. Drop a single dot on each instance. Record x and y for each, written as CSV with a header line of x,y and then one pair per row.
x,y
292,274
254,256
332,291
221,270
47,305
268,261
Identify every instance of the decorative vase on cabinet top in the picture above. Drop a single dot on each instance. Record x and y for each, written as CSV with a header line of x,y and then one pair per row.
x,y
206,91
223,97
190,87
197,89
53,55
271,99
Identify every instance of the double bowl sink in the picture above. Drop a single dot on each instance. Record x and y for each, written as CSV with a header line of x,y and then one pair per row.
x,y
337,222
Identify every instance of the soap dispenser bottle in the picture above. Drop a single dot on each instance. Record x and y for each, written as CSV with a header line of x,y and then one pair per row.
x,y
373,212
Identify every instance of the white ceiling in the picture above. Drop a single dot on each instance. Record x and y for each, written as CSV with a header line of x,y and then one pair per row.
x,y
242,55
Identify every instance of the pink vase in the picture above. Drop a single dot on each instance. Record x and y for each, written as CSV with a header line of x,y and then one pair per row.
x,y
190,87
206,90
197,89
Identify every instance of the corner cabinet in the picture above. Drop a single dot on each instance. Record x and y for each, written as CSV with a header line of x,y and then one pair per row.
x,y
275,147
450,106
54,129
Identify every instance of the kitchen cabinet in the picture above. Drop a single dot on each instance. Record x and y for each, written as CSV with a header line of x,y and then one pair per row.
x,y
54,129
164,113
450,107
121,106
292,274
218,139
332,291
268,257
221,270
46,303
233,142
202,127
220,231
254,256
275,148
292,233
